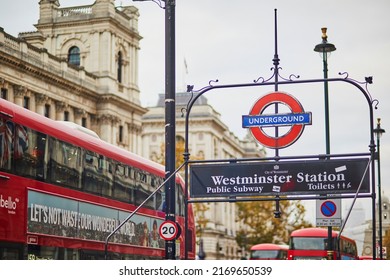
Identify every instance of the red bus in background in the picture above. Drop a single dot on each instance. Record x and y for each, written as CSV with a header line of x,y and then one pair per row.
x,y
63,191
312,243
268,251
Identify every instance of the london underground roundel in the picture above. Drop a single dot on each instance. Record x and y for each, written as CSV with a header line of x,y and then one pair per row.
x,y
297,120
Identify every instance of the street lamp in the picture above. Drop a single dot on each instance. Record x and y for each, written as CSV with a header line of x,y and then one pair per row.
x,y
378,131
325,48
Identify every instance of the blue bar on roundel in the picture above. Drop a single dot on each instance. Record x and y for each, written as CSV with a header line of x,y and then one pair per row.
x,y
276,120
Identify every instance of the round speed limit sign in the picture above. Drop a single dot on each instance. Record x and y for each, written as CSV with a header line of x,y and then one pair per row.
x,y
168,230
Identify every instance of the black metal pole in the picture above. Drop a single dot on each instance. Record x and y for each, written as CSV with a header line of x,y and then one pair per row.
x,y
276,60
327,138
372,149
379,201
276,76
324,48
170,127
326,102
327,135
378,131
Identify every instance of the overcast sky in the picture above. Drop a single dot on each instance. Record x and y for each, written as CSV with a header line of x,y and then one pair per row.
x,y
234,42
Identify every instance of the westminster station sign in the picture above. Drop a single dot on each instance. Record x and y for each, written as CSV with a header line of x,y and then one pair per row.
x,y
281,178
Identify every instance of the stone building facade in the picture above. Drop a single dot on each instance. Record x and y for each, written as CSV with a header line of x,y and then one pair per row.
x,y
80,65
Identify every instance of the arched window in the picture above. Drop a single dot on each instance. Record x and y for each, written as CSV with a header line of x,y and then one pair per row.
x,y
74,56
120,64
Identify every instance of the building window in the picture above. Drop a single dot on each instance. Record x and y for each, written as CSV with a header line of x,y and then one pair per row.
x,y
66,116
4,93
120,64
74,56
26,102
121,134
84,122
47,111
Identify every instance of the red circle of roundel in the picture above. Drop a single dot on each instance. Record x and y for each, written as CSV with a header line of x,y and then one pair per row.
x,y
292,135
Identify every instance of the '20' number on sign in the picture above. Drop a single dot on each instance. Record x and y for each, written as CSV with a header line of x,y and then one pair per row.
x,y
168,230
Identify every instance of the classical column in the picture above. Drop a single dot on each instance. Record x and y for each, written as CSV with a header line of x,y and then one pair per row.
x,y
106,127
40,101
79,113
114,135
19,94
60,108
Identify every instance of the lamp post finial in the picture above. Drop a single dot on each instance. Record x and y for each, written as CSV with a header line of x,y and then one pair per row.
x,y
324,36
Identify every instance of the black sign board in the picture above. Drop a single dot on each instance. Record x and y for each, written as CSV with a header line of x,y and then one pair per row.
x,y
280,178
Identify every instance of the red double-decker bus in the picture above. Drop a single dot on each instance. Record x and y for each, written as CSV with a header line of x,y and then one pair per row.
x,y
312,243
63,191
268,251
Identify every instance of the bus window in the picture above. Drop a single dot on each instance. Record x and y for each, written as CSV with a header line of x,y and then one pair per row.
x,y
29,152
98,174
64,164
159,196
348,249
268,251
143,188
36,252
6,147
11,251
309,243
123,184
179,200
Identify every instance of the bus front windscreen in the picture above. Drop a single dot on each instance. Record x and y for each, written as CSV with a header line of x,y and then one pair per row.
x,y
309,243
265,254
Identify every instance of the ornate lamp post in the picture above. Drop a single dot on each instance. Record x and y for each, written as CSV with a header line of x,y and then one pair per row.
x,y
325,48
378,131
